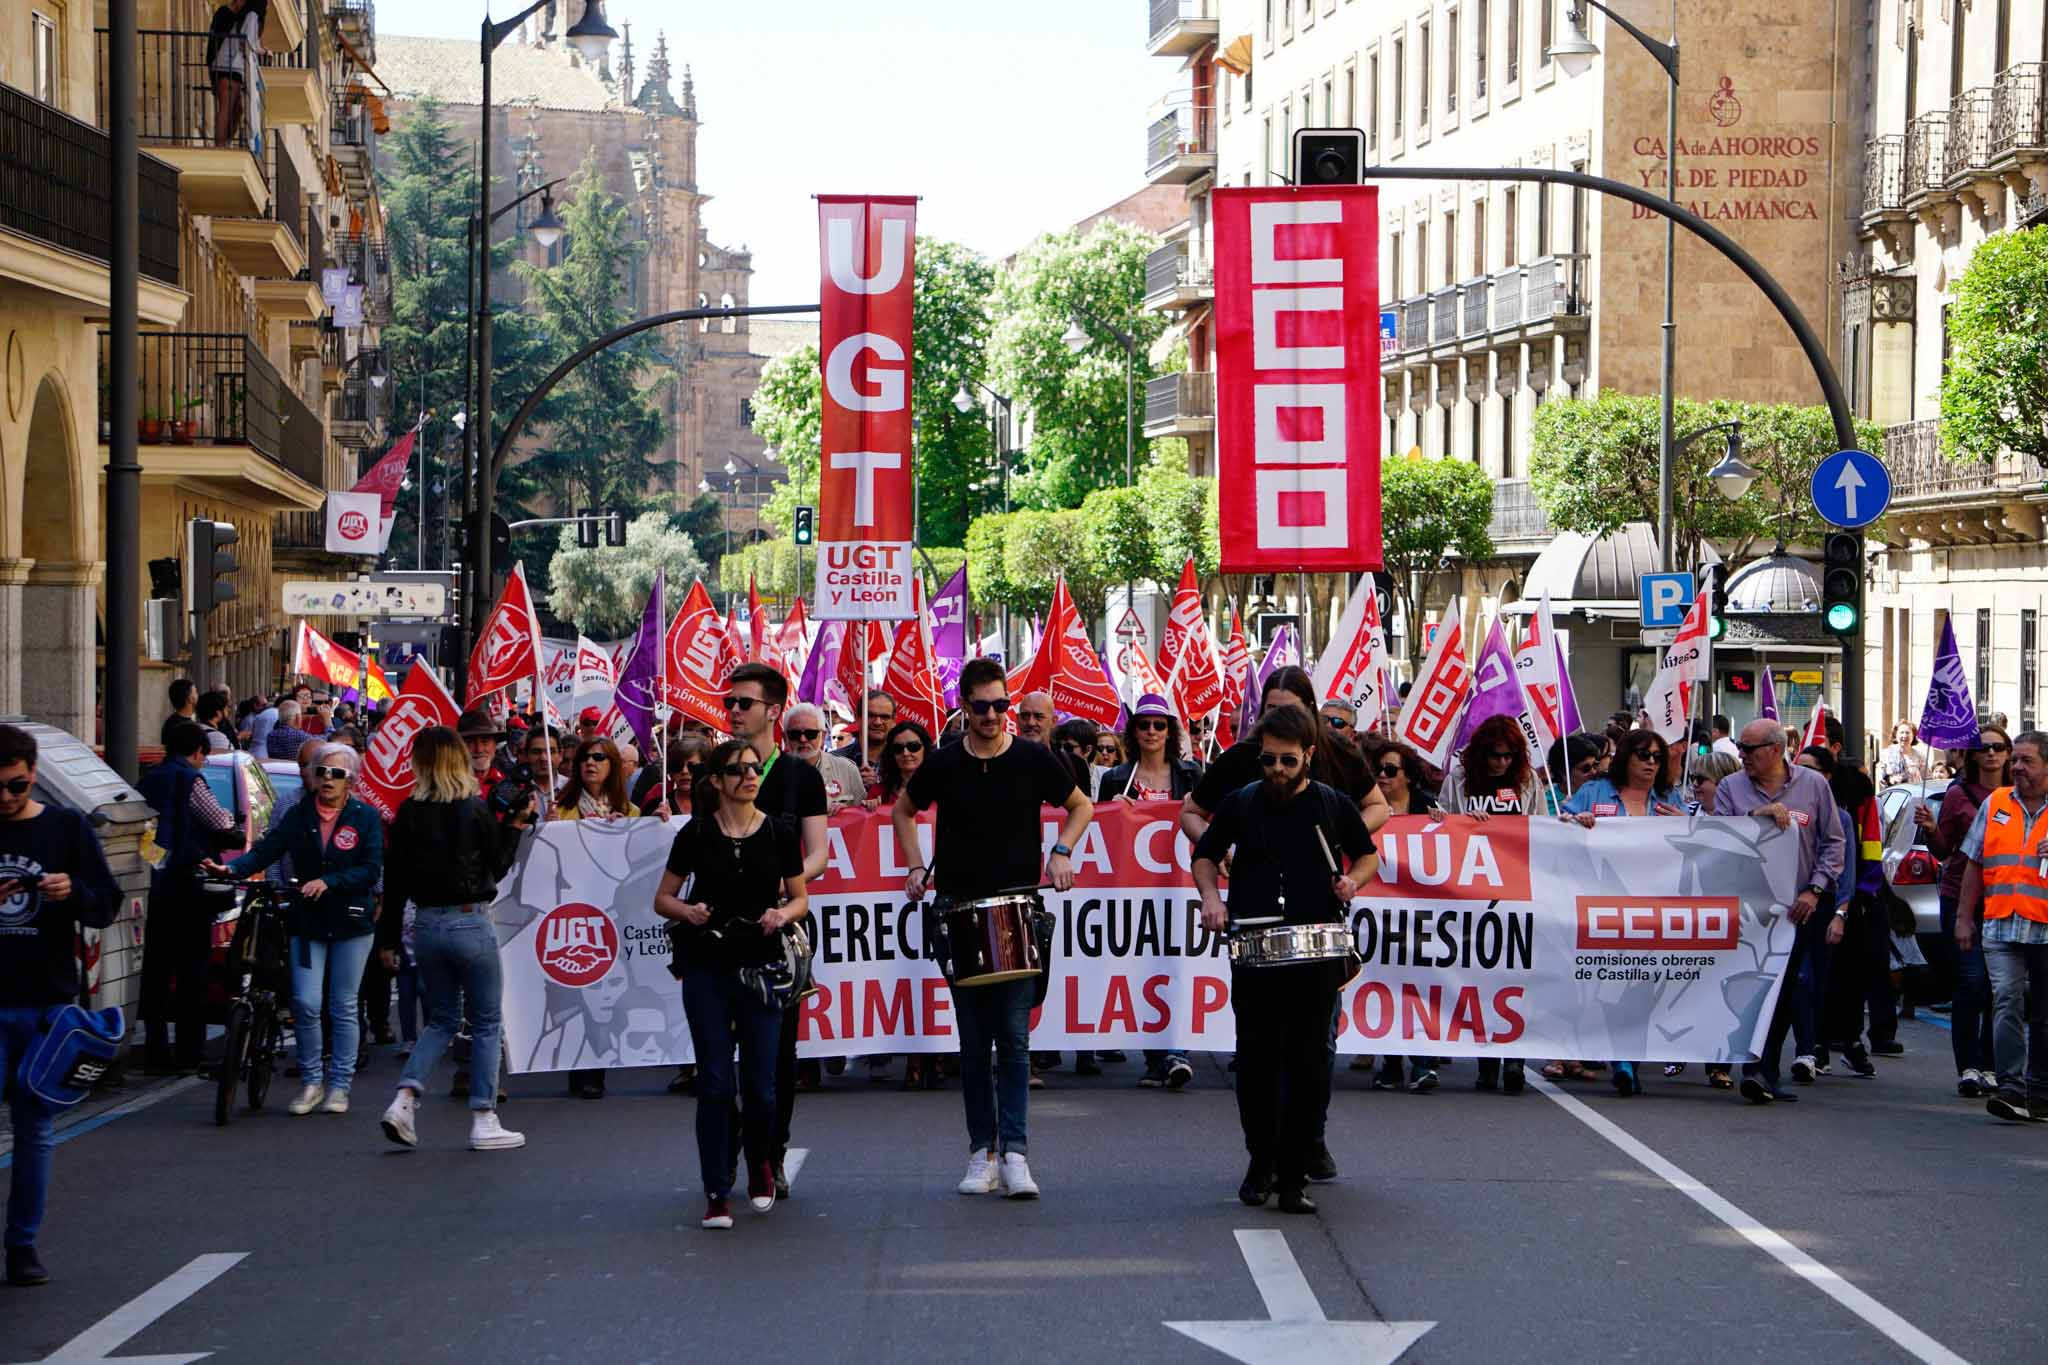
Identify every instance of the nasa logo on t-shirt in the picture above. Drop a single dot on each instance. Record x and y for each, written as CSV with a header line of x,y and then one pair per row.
x,y
345,838
832,788
20,905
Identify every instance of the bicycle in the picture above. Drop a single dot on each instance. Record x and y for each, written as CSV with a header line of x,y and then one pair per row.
x,y
259,977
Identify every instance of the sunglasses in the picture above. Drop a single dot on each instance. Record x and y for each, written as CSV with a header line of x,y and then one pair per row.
x,y
1287,762
742,704
1149,723
1998,748
984,706
594,758
1390,770
336,774
741,770
1698,778
1337,722
18,787
802,736
1755,748
911,746
695,769
1501,755
1106,751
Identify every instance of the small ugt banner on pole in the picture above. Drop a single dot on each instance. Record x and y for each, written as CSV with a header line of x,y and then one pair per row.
x,y
865,500
1298,379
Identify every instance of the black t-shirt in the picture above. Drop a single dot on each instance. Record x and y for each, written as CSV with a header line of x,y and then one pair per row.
x,y
739,879
1278,855
792,790
38,962
989,828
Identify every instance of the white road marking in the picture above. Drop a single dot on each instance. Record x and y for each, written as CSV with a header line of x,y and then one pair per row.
x,y
792,1162
1296,1332
1896,1329
97,1342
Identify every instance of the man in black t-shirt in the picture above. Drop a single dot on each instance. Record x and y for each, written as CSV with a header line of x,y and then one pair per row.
x,y
793,792
1285,837
989,789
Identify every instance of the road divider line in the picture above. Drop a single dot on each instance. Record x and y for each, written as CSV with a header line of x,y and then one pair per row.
x,y
111,1332
1894,1328
792,1162
1278,1276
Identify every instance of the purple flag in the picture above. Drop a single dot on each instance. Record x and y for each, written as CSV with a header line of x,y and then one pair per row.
x,y
1949,719
823,663
639,690
1567,698
1496,687
949,633
1281,650
1766,695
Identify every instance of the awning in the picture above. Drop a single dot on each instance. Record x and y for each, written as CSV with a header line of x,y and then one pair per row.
x,y
349,48
1592,577
1236,57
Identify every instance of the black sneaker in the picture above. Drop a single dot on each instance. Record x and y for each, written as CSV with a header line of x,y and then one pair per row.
x,y
2009,1105
1513,1076
1086,1065
1387,1078
1178,1072
1755,1091
1424,1081
1489,1074
1858,1060
1321,1165
1257,1186
1888,1047
1296,1201
1154,1078
24,1269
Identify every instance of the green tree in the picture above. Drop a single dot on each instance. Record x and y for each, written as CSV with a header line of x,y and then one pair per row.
x,y
603,591
988,582
1040,548
1181,512
1994,393
951,287
703,521
1077,403
1118,526
598,448
1430,510
428,187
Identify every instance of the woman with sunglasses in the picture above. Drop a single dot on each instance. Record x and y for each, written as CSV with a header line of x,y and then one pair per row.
x,y
735,877
1633,786
1109,749
1982,771
903,752
597,789
336,844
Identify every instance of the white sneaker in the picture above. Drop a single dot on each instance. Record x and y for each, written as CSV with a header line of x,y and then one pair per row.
x,y
308,1100
337,1102
398,1120
981,1175
1804,1070
1017,1181
486,1134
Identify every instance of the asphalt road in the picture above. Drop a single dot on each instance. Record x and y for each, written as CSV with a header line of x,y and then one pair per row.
x,y
1877,1220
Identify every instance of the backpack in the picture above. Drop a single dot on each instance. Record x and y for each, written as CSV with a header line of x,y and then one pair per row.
x,y
74,1049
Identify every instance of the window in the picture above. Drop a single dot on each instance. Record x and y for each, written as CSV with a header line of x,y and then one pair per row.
x,y
1546,31
1451,61
1307,111
1984,660
43,54
1510,228
1422,258
1372,102
1421,77
1507,426
1400,84
2004,40
1478,237
1912,73
1286,20
1542,221
1269,23
1266,152
1330,102
1223,100
747,414
1450,246
2029,669
1957,29
1579,213
1308,13
1512,71
1283,151
1481,42
1394,266
1247,92
1350,97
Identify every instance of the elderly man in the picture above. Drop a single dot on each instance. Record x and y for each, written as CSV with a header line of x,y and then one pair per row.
x,y
1035,717
803,729
481,736
2007,847
286,736
1768,786
881,719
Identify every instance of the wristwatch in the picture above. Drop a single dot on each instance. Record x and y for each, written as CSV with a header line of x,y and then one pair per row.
x,y
1062,851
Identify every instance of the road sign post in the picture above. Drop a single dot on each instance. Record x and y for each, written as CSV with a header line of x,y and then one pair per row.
x,y
1850,489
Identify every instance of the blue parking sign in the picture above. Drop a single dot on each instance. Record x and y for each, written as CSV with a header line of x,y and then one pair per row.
x,y
1665,599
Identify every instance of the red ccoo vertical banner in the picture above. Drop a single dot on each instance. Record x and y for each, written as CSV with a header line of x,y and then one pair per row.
x,y
865,500
1297,378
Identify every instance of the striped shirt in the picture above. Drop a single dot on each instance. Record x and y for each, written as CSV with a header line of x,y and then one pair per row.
x,y
2010,928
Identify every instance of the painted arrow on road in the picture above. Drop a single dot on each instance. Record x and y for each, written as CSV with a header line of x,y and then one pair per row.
x,y
96,1344
1295,1330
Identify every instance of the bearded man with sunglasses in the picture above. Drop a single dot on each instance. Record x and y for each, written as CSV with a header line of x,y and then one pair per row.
x,y
1284,835
989,789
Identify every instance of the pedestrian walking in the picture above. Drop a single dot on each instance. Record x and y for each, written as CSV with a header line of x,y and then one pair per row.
x,y
2006,888
192,826
1984,769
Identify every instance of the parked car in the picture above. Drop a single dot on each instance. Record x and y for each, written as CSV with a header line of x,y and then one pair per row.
x,y
1912,874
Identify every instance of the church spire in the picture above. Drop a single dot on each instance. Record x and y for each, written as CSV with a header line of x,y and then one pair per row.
x,y
655,96
689,93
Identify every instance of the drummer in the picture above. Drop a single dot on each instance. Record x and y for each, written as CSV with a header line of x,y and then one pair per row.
x,y
1299,851
988,789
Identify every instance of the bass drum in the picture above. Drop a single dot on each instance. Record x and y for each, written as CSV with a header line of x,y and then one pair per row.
x,y
993,939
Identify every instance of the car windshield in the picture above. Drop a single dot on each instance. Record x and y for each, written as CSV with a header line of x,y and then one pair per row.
x,y
221,782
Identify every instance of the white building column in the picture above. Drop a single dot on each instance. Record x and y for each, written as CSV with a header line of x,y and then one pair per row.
x,y
13,574
59,605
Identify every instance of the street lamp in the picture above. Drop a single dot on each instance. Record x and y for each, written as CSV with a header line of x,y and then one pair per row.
x,y
1575,54
547,229
591,36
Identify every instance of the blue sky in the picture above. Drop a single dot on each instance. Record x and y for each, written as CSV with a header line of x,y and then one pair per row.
x,y
1008,118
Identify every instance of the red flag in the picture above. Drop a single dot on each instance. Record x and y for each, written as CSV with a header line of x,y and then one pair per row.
x,y
1079,687
508,649
1237,672
316,656
757,620
1816,727
698,661
735,650
1682,664
387,474
913,676
1188,655
792,647
1429,720
386,776
863,644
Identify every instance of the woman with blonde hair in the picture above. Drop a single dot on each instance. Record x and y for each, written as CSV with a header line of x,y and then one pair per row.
x,y
596,789
446,856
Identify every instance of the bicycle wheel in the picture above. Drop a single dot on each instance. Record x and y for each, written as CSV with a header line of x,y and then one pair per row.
x,y
233,1053
263,1058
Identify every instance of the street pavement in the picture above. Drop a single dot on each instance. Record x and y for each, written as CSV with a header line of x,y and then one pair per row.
x,y
1876,1220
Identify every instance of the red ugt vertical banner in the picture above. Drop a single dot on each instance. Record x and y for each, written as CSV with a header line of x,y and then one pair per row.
x,y
865,499
1297,378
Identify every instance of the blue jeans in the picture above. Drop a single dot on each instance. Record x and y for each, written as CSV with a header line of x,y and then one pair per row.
x,y
2019,1015
999,1017
458,965
28,1185
1970,1013
408,978
722,1014
329,974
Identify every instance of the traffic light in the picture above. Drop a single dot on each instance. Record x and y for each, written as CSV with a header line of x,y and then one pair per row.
x,y
615,529
1329,156
210,563
1717,602
586,528
805,529
1841,587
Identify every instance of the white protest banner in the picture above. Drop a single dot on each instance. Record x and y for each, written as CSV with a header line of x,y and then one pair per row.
x,y
352,524
1659,940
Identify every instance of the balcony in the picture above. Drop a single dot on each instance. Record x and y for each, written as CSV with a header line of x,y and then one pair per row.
x,y
1475,304
221,167
355,20
1526,303
1920,472
1181,27
294,87
1174,281
56,191
352,138
2019,122
1509,286
213,412
1180,145
1180,404
1443,316
1967,152
1884,179
1519,521
271,247
368,261
364,401
1556,293
1414,325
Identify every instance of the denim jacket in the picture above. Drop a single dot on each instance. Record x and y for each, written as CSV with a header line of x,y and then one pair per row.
x,y
351,864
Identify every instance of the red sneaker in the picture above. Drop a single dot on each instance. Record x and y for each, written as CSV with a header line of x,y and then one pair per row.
x,y
718,1214
761,1186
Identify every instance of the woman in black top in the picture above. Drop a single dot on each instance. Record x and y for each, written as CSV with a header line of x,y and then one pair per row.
x,y
903,753
735,877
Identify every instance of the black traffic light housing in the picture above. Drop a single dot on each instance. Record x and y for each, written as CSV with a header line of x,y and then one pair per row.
x,y
1717,601
210,564
166,577
615,529
1329,156
586,528
805,527
1841,587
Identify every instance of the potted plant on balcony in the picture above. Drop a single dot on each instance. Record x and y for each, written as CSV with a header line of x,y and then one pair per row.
x,y
149,429
184,425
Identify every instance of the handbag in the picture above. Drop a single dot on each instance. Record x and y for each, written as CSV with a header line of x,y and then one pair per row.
x,y
782,982
70,1054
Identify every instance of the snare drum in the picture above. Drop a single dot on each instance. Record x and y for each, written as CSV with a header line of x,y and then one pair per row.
x,y
1269,943
992,939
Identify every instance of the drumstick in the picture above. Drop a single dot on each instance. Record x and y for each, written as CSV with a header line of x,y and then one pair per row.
x,y
1328,856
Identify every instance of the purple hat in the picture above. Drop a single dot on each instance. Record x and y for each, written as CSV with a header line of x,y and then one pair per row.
x,y
1152,704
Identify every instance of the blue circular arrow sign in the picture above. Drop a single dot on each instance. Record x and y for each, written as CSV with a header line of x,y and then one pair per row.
x,y
1851,489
